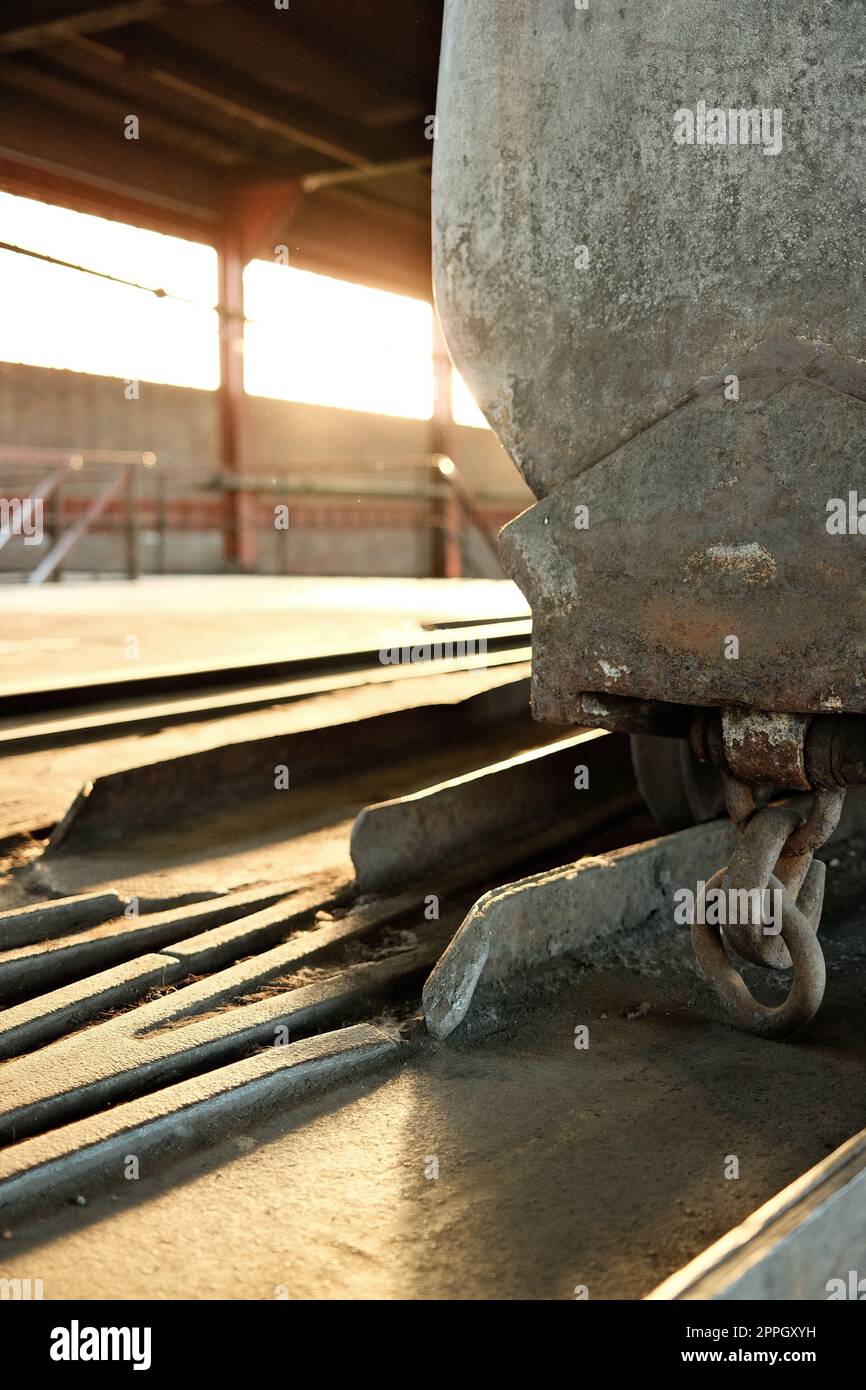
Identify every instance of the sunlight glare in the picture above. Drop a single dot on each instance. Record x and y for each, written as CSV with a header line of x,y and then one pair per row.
x,y
464,411
309,338
329,342
56,317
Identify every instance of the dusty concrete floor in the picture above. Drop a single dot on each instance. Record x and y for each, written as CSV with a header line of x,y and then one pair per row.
x,y
557,1167
79,629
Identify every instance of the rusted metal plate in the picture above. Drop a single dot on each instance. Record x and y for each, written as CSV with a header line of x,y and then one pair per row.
x,y
702,570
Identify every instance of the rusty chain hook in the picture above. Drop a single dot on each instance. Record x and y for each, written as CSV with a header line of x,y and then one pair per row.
x,y
774,851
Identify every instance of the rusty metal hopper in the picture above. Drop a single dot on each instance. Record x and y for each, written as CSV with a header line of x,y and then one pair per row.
x,y
648,245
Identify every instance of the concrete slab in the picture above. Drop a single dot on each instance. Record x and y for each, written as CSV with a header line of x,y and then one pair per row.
x,y
83,628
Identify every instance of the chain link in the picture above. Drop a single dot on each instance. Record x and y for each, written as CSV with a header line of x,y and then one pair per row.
x,y
774,851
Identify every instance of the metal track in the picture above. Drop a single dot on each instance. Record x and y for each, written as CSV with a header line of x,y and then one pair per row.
x,y
51,715
106,1010
159,1026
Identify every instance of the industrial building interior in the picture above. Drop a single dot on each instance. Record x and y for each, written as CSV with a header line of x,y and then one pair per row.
x,y
327,972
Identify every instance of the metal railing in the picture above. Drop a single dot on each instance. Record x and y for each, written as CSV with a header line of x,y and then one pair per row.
x,y
110,474
124,493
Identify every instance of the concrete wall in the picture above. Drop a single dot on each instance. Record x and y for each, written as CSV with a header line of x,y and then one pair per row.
x,y
49,408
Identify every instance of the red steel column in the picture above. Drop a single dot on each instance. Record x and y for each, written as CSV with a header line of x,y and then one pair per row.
x,y
254,216
239,536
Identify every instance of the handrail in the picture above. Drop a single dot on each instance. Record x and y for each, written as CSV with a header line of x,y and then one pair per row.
x,y
432,481
42,492
49,564
63,463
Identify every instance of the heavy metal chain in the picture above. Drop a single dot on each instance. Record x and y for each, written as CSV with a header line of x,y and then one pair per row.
x,y
774,851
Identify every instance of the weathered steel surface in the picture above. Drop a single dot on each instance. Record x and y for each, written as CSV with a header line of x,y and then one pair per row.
x,y
766,748
755,858
556,130
603,369
810,977
411,836
676,787
566,912
835,752
161,792
805,1243
711,526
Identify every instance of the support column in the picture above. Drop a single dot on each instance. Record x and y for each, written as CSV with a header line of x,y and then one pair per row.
x,y
254,217
239,536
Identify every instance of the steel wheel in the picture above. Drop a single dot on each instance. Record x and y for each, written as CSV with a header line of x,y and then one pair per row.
x,y
677,788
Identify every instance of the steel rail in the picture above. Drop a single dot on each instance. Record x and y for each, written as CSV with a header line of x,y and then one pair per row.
x,y
497,636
